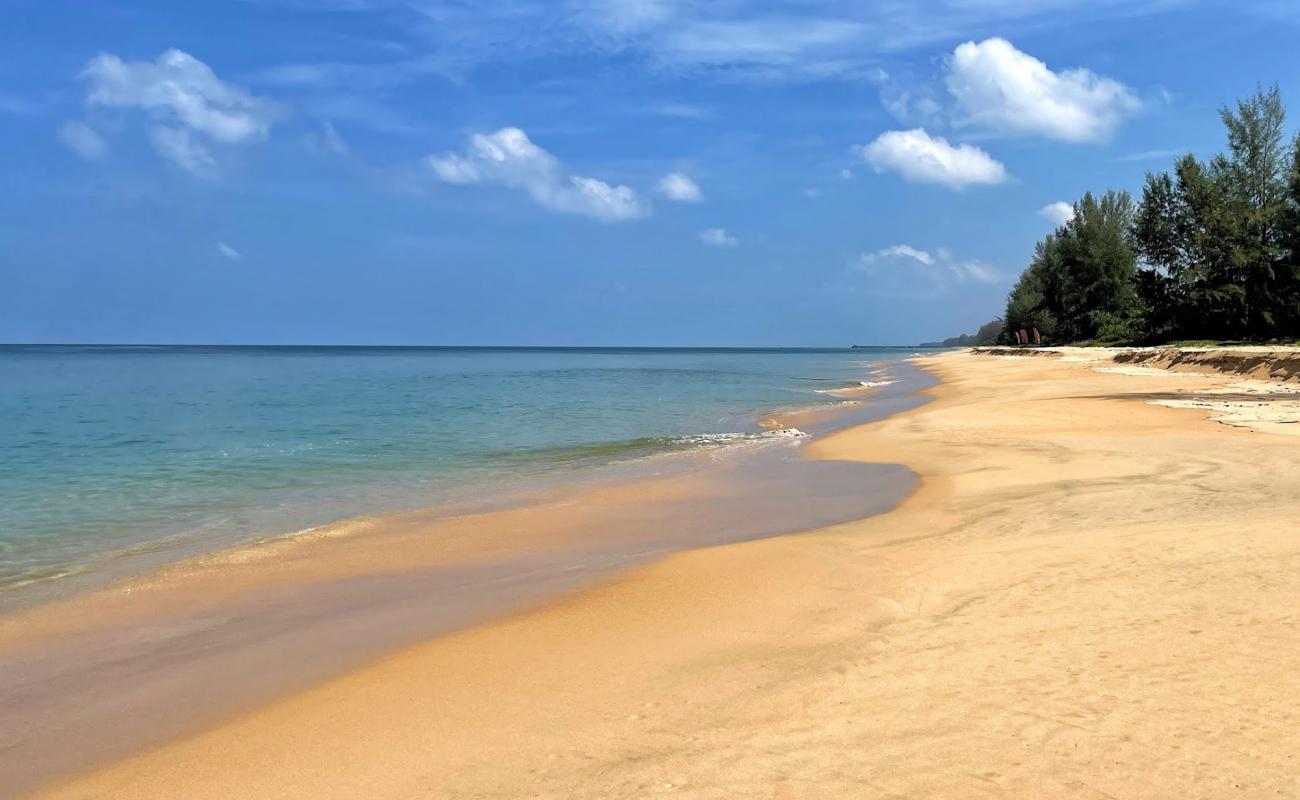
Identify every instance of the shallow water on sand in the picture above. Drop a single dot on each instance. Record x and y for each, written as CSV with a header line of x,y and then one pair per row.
x,y
97,677
119,458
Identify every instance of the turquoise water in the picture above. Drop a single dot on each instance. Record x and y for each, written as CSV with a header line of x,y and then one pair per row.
x,y
109,451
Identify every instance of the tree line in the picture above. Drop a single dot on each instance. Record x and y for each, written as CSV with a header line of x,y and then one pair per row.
x,y
1211,252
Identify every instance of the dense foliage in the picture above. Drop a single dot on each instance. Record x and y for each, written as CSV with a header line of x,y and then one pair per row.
x,y
1211,252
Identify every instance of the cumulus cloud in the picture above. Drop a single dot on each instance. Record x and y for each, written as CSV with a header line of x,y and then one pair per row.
x,y
680,188
83,140
229,252
718,237
508,157
1059,212
1001,89
921,158
189,105
940,267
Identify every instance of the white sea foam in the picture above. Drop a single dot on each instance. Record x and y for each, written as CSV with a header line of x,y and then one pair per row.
x,y
723,438
840,390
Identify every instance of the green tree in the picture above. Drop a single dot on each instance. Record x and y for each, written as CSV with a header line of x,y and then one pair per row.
x,y
1028,302
1289,271
1096,267
1256,174
1218,240
1080,284
1219,234
1184,230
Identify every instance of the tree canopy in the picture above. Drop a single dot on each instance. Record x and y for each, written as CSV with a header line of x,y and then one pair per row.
x,y
1211,252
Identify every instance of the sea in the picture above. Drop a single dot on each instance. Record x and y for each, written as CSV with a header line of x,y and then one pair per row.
x,y
134,455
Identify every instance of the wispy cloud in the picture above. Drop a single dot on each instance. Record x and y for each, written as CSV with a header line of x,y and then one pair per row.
x,y
679,111
737,39
179,146
326,141
510,158
939,269
83,140
229,252
189,107
718,237
898,251
1155,155
921,158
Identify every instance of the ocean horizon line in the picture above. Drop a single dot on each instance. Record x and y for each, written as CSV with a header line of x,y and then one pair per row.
x,y
476,347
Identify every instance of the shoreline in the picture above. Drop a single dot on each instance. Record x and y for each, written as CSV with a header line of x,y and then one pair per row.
x,y
1089,595
95,677
227,447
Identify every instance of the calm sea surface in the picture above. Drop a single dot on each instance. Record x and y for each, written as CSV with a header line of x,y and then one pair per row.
x,y
111,452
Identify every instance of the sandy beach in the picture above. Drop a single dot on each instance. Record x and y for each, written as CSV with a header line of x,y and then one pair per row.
x,y
1093,593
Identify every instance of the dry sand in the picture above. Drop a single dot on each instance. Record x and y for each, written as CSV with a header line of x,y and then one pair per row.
x,y
1091,595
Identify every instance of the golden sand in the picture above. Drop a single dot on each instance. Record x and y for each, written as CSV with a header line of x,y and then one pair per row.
x,y
1091,595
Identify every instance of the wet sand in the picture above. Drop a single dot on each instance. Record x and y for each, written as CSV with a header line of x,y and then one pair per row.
x,y
1091,595
104,675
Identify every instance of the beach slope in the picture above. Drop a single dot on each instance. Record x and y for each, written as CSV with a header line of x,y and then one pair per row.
x,y
1092,594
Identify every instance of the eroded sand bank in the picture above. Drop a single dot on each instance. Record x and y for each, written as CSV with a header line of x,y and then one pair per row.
x,y
1091,595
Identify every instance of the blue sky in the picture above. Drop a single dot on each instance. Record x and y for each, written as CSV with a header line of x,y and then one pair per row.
x,y
567,172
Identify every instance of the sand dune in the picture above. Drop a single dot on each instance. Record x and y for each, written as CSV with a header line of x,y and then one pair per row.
x,y
1091,595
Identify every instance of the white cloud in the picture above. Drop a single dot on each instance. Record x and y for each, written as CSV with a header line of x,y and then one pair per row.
x,y
940,267
811,39
509,158
680,188
1001,89
785,46
326,141
718,237
1059,212
229,252
186,100
627,16
733,39
911,104
1170,153
179,146
681,111
898,251
920,158
974,271
82,140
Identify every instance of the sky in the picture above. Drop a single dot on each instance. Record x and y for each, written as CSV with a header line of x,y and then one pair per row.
x,y
580,172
